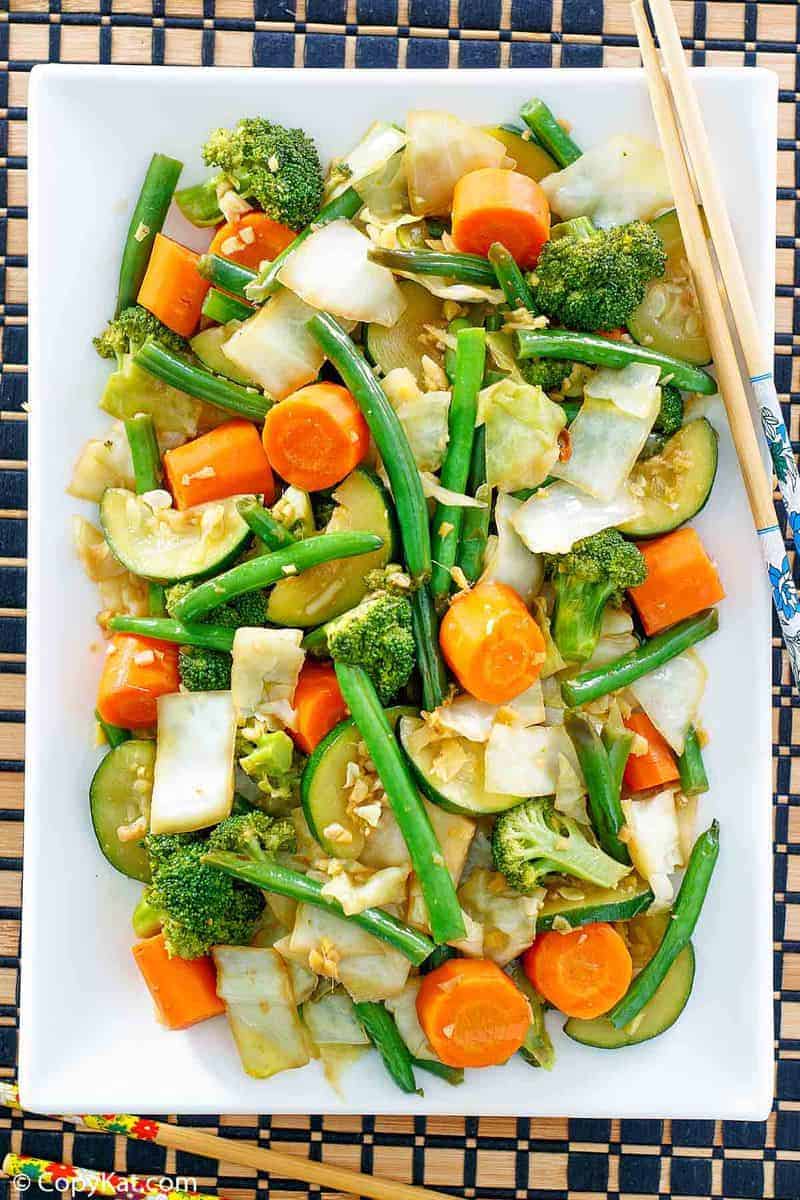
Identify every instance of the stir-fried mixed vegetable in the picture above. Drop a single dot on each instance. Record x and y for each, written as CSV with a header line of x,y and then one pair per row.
x,y
400,692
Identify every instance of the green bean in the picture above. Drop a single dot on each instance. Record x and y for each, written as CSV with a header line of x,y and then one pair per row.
x,y
510,278
571,409
166,629
438,891
202,384
454,328
274,535
447,518
344,206
156,599
494,323
114,734
604,803
147,220
222,308
146,457
465,268
383,1033
580,227
200,203
425,625
451,1075
537,1049
618,749
475,521
694,779
225,273
652,653
441,954
267,569
683,919
549,133
274,877
598,351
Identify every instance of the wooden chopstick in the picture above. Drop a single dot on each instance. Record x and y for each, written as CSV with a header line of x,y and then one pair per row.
x,y
757,484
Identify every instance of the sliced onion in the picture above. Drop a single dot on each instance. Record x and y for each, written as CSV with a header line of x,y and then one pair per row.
x,y
441,148
558,516
671,696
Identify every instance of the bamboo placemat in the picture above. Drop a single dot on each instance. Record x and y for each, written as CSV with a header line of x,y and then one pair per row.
x,y
504,1159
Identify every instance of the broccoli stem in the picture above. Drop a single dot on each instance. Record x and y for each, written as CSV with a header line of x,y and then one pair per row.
x,y
383,1033
465,268
652,653
683,919
146,919
165,629
200,203
114,734
225,273
222,308
475,521
274,535
438,891
147,220
579,227
272,876
447,518
146,458
604,802
267,569
598,351
202,384
510,278
694,779
549,133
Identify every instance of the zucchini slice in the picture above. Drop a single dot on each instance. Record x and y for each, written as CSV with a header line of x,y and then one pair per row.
x,y
170,545
207,345
669,318
324,592
656,1017
399,345
116,801
531,159
631,897
674,485
466,794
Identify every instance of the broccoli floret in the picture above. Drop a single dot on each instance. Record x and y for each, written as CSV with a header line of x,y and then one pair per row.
x,y
249,609
393,578
594,573
199,907
596,282
255,834
275,766
534,840
278,168
204,670
128,332
670,416
547,373
376,635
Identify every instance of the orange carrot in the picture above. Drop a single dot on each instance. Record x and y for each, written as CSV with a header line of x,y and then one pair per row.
x,y
583,973
228,461
253,239
494,205
472,1014
173,289
657,766
136,671
614,335
184,990
316,436
681,580
318,704
491,643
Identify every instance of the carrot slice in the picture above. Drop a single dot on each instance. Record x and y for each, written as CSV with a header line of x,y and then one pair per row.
x,y
184,990
228,461
251,240
495,205
318,704
491,643
657,766
173,289
681,580
136,671
472,1014
316,436
583,973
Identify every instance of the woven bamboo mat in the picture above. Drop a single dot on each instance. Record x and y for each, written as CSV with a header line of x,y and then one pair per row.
x,y
500,1158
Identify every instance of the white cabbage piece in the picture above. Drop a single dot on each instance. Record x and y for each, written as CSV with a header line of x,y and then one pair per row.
x,y
558,516
379,144
293,509
433,490
331,271
671,696
570,794
275,348
193,776
423,415
262,1009
616,637
454,834
93,550
331,1020
510,560
385,846
338,949
440,149
524,761
385,193
605,444
634,388
623,179
404,1010
653,839
686,812
522,428
508,918
473,719
265,669
376,890
103,463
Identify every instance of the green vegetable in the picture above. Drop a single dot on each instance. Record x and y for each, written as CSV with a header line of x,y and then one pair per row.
x,y
382,1032
146,920
147,220
269,568
669,318
670,415
260,520
163,629
129,331
204,670
466,793
652,653
579,227
196,381
208,345
673,485
618,749
454,328
222,308
522,434
429,659
537,1049
376,635
534,840
444,913
685,914
549,374
604,799
510,278
447,518
630,897
113,734
694,779
475,521
440,954
276,767
200,203
279,168
464,268
226,274
451,1075
114,802
549,133
146,459
249,609
593,574
604,352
